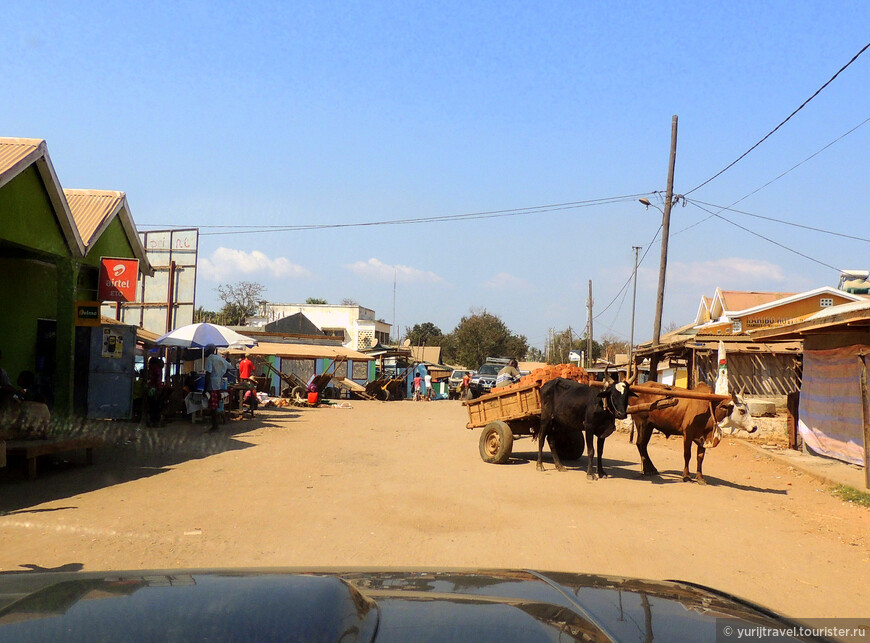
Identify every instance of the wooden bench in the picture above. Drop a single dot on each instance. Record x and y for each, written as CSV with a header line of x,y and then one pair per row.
x,y
32,449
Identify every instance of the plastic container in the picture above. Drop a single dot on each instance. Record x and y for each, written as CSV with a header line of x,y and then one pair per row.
x,y
312,397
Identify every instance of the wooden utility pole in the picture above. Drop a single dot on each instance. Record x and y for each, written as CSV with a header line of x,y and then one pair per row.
x,y
633,302
589,331
663,263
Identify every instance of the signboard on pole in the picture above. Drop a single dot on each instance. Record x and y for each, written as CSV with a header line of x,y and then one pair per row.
x,y
167,299
118,279
87,313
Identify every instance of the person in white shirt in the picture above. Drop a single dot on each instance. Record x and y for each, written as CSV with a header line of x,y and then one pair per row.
x,y
427,379
215,369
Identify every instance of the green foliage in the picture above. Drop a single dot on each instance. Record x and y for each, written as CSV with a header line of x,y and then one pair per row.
x,y
481,335
315,300
566,341
425,334
535,355
240,301
850,494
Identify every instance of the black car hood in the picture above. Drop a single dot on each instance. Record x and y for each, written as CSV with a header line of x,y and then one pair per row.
x,y
332,605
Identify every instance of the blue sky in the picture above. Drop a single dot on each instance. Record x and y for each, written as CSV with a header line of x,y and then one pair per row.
x,y
264,114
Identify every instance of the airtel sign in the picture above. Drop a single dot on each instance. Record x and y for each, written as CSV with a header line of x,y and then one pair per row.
x,y
118,278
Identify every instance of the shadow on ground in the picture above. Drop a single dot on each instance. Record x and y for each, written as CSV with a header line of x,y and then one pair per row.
x,y
129,453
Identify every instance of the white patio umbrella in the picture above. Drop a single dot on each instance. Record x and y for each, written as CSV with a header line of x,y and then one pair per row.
x,y
201,335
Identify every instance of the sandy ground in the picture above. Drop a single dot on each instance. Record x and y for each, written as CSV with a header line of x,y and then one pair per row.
x,y
402,484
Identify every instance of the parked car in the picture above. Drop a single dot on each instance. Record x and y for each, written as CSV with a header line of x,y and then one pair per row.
x,y
382,605
484,379
454,382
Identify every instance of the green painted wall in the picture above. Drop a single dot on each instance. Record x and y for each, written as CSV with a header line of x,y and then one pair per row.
x,y
31,295
112,243
27,217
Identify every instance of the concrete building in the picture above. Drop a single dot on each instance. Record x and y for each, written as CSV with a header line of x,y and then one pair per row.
x,y
354,324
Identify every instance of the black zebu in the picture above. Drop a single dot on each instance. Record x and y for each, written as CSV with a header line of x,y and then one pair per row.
x,y
569,408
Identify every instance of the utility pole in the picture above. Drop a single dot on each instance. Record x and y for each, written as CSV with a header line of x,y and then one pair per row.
x,y
589,330
395,278
666,227
633,302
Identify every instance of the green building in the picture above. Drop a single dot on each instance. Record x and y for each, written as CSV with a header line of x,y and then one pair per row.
x,y
51,241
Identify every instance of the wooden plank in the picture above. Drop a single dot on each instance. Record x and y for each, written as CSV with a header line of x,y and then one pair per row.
x,y
652,406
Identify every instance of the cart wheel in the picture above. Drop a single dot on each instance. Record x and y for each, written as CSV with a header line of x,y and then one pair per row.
x,y
496,442
299,393
571,447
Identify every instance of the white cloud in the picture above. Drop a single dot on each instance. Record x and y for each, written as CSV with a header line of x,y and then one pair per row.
x,y
376,269
728,272
229,264
504,281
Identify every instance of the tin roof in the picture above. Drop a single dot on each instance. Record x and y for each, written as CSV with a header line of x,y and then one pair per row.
x,y
16,155
94,210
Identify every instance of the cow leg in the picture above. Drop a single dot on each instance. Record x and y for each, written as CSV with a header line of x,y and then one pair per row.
x,y
601,472
543,433
687,455
644,433
556,461
701,451
590,452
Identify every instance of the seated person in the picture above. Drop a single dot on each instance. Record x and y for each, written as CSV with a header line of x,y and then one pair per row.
x,y
508,375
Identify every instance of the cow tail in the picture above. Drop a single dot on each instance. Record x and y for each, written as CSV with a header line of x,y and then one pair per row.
x,y
631,435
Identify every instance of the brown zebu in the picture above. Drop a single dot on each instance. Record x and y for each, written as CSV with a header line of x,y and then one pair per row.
x,y
695,420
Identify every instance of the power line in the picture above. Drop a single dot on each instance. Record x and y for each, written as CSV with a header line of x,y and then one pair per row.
x,y
777,178
470,216
769,240
774,220
628,281
771,132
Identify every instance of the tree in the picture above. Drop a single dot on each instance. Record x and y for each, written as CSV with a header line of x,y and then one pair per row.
x,y
425,334
315,300
534,354
481,335
240,301
611,345
201,315
562,343
347,301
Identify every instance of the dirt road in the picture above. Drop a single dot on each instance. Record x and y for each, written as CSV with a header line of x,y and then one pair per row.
x,y
402,484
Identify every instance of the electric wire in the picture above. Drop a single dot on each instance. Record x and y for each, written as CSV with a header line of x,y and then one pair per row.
x,y
470,216
771,132
628,281
773,180
783,222
768,239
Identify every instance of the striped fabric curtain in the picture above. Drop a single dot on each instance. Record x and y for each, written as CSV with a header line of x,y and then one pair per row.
x,y
831,406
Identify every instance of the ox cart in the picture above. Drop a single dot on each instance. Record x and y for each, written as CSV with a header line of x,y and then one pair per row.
x,y
515,411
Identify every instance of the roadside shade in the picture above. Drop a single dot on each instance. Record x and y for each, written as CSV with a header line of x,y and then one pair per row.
x,y
201,335
304,351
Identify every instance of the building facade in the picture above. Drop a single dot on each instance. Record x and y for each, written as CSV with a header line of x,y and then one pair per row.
x,y
356,325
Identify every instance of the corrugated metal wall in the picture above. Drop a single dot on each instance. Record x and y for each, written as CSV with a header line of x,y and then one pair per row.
x,y
764,374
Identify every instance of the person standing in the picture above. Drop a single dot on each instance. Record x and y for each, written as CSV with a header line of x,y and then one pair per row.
x,y
215,369
427,381
246,367
418,382
465,394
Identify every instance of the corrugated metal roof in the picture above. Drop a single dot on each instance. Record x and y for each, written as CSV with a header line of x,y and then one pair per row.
x,y
14,152
302,351
741,300
92,210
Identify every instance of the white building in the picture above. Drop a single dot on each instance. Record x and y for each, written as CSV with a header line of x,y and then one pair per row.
x,y
356,325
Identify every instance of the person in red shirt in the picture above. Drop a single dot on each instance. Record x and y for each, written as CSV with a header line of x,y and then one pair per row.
x,y
246,368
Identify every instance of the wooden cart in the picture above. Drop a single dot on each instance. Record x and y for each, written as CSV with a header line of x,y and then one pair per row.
x,y
516,411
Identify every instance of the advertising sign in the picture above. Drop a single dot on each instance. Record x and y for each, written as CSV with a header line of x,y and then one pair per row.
x,y
87,313
113,342
118,279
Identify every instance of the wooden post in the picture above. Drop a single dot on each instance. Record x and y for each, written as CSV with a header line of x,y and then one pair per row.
x,y
866,420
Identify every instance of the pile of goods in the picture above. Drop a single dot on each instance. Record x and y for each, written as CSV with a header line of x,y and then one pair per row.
x,y
547,373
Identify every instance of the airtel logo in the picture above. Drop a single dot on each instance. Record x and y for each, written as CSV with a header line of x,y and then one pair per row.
x,y
119,270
